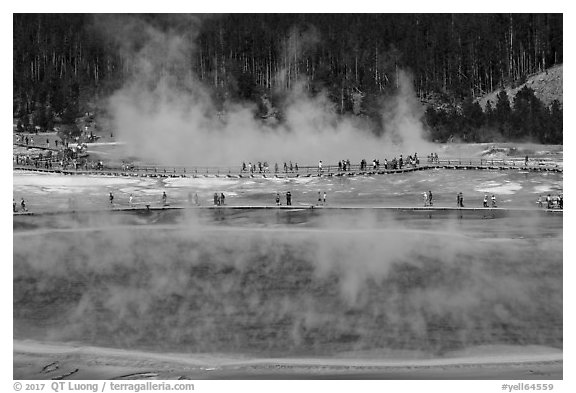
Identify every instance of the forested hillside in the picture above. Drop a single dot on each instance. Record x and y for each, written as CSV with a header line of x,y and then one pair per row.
x,y
64,63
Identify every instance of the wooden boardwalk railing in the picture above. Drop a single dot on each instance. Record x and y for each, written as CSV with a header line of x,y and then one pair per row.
x,y
303,171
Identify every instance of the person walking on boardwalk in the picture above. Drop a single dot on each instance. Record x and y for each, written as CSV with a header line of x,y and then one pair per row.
x,y
215,199
164,198
324,199
548,201
319,198
288,199
425,196
23,205
131,200
222,198
485,203
430,197
277,199
320,166
493,198
196,199
111,198
460,200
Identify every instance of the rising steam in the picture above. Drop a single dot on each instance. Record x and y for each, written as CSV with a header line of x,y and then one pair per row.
x,y
340,285
166,114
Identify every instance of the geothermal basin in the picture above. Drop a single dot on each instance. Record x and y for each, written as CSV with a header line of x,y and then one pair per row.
x,y
364,287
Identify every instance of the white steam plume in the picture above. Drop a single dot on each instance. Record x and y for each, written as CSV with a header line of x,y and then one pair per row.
x,y
165,114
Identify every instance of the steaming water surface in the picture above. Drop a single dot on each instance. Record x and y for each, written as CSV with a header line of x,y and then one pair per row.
x,y
299,282
302,282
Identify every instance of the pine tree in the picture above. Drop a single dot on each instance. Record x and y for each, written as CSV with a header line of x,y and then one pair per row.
x,y
503,114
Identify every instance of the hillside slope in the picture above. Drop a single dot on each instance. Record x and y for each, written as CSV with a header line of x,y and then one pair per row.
x,y
547,87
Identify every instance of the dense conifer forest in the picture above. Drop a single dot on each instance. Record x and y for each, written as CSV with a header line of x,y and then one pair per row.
x,y
64,63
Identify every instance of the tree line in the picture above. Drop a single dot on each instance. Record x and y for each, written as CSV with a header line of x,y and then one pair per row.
x,y
526,118
63,62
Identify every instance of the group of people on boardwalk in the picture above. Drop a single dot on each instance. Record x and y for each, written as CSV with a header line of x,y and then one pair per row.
x,y
288,199
48,160
22,205
393,164
552,201
433,158
262,167
428,201
219,199
344,165
492,199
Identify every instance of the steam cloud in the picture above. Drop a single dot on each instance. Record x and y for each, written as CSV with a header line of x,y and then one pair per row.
x,y
345,285
166,114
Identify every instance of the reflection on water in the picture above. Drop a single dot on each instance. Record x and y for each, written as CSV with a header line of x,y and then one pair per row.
x,y
313,284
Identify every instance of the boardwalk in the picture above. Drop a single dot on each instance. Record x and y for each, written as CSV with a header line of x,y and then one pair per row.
x,y
306,171
427,212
